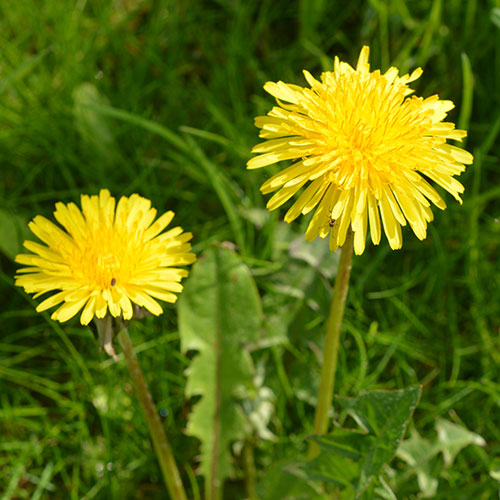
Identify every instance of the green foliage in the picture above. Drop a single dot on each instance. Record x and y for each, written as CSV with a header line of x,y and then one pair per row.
x,y
13,231
178,85
94,128
419,453
219,315
350,459
288,481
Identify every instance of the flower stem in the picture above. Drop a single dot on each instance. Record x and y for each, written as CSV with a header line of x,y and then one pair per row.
x,y
249,467
163,451
330,351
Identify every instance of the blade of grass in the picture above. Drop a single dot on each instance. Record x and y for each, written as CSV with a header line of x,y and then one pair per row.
x,y
467,93
17,471
219,185
203,134
433,23
23,70
43,482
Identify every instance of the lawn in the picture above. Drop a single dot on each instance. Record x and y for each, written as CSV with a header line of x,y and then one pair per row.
x,y
158,97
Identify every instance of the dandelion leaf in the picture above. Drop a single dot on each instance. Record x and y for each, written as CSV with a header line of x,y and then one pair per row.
x,y
287,480
452,438
219,315
351,459
420,453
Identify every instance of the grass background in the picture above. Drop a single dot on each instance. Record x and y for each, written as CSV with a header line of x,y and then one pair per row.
x,y
158,97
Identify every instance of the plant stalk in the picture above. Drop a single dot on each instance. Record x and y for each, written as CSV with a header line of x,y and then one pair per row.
x,y
162,448
330,351
250,471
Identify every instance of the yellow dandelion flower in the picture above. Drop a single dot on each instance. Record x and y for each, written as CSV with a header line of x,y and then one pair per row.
x,y
363,150
107,257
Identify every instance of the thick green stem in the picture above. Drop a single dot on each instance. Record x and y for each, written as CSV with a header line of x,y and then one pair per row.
x,y
330,350
250,471
163,452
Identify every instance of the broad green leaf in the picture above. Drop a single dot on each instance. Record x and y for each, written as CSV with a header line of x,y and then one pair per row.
x,y
219,314
352,459
383,490
452,438
495,469
418,452
258,406
286,481
13,231
378,490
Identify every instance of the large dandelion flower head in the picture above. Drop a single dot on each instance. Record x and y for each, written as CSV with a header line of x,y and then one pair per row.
x,y
106,257
363,150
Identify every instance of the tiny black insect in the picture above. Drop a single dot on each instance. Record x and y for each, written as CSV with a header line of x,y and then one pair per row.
x,y
113,282
332,222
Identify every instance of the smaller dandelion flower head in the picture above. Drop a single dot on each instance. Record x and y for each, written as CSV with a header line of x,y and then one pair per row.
x,y
107,257
362,150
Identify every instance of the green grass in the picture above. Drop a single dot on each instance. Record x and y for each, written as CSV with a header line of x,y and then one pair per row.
x,y
175,87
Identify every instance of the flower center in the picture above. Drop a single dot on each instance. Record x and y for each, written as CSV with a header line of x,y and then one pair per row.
x,y
106,267
106,259
370,125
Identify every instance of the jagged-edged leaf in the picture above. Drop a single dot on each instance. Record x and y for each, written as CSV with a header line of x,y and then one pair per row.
x,y
378,490
258,406
452,438
351,459
420,453
383,491
219,314
287,481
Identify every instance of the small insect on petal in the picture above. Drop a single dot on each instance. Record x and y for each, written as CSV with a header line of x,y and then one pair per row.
x,y
355,140
104,257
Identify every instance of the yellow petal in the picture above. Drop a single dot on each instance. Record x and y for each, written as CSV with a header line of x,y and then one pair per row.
x,y
283,195
374,219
